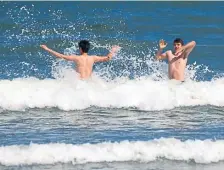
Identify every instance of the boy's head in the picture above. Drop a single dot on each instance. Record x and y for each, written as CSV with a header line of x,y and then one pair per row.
x,y
177,43
84,46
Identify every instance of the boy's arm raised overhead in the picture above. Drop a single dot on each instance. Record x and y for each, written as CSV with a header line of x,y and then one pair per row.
x,y
159,54
186,49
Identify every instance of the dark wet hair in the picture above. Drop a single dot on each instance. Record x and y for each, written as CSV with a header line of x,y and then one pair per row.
x,y
178,40
84,45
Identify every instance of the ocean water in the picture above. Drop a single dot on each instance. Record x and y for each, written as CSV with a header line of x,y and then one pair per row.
x,y
129,115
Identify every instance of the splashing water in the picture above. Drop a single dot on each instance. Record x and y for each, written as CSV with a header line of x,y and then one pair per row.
x,y
30,29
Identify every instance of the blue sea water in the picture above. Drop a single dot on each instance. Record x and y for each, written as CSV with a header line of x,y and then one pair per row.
x,y
130,115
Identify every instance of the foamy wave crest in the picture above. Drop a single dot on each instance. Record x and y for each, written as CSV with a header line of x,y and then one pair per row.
x,y
206,151
72,94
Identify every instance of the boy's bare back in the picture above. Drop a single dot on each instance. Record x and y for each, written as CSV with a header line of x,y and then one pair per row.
x,y
85,66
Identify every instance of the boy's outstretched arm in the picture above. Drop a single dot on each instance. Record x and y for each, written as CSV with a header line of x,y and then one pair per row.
x,y
59,55
113,51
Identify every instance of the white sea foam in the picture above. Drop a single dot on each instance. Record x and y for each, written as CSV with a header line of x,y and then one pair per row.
x,y
68,93
199,151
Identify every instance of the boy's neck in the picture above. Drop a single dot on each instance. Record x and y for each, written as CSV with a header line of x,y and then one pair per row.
x,y
84,54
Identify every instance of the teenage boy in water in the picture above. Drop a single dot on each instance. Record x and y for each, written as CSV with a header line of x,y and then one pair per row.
x,y
84,61
177,59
